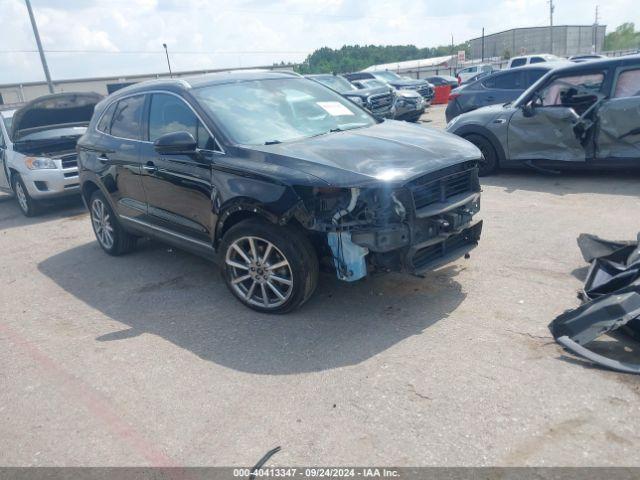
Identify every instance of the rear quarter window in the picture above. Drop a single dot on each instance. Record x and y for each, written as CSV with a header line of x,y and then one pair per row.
x,y
628,84
104,125
518,62
537,60
127,117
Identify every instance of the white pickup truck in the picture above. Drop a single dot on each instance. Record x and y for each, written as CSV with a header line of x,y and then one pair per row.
x,y
38,158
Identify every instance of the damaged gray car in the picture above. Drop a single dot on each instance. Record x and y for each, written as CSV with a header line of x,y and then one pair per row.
x,y
581,116
273,175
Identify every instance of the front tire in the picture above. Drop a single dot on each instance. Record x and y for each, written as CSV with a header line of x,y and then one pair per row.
x,y
490,163
269,268
28,206
111,237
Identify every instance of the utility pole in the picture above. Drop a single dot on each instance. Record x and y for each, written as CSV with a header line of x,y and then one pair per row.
x,y
43,59
452,53
483,44
594,48
551,9
168,62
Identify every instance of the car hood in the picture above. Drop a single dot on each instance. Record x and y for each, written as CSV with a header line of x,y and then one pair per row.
x,y
59,110
408,94
389,152
406,83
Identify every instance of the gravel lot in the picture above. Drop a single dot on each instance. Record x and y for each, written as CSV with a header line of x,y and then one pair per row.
x,y
148,360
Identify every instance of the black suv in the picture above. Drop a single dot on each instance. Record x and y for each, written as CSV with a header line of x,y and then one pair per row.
x,y
378,101
269,174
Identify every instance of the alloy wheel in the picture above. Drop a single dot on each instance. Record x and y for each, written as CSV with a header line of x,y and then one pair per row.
x,y
22,197
259,273
102,223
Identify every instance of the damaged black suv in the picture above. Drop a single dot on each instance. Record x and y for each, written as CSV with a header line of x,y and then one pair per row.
x,y
272,175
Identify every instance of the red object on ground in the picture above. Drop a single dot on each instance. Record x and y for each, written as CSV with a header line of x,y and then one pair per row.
x,y
441,95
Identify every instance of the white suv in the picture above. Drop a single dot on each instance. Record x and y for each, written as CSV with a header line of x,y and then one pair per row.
x,y
529,59
38,157
470,72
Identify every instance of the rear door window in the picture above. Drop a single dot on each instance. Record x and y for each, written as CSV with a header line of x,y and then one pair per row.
x,y
537,60
506,81
628,84
127,118
533,75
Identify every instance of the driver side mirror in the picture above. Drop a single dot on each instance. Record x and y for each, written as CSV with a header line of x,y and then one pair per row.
x,y
176,143
529,109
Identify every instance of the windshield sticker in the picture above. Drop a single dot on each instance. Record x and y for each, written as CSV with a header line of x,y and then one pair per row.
x,y
335,109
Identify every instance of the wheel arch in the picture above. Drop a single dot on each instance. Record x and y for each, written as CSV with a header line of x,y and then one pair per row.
x,y
467,130
246,208
88,188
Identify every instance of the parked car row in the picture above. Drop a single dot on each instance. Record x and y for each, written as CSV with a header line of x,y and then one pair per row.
x,y
384,94
274,175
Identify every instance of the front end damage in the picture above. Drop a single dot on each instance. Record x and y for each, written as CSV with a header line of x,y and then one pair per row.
x,y
412,227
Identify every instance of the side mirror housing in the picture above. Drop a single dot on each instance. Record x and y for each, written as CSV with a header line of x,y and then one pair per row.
x,y
528,109
176,143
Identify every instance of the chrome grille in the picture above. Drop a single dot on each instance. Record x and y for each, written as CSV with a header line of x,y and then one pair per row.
x,y
381,101
69,161
425,91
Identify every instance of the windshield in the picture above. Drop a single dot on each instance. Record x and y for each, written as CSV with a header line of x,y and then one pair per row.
x,y
7,123
338,84
278,110
387,76
54,134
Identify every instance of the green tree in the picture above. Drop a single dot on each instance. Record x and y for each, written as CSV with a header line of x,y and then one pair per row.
x,y
350,58
622,38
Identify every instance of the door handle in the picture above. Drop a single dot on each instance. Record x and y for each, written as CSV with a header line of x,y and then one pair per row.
x,y
490,99
102,158
149,167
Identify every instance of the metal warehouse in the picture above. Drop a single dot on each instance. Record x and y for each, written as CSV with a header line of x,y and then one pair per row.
x,y
561,40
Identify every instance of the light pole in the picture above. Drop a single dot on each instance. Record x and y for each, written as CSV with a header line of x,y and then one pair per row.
x,y
45,67
166,51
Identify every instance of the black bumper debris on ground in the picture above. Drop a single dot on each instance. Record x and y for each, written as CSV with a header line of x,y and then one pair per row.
x,y
611,300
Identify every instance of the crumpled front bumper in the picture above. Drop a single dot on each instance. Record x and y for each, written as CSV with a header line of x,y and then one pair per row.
x,y
427,241
442,250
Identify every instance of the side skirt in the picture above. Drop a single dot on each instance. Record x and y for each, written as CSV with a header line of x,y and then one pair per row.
x,y
178,240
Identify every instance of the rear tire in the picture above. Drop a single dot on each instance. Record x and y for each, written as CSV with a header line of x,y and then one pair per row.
x,y
269,268
111,237
28,206
490,163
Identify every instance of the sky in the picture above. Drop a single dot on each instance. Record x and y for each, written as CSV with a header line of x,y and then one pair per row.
x,y
93,38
